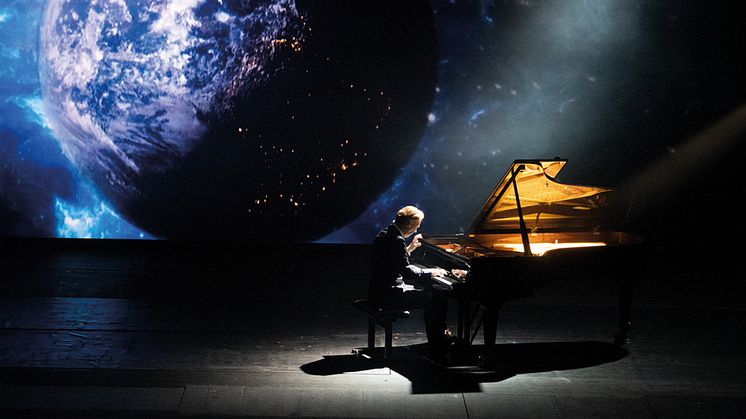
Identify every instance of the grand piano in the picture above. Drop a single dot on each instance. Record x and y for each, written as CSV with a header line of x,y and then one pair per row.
x,y
531,231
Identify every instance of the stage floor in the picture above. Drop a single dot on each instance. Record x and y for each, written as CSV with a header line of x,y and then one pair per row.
x,y
208,331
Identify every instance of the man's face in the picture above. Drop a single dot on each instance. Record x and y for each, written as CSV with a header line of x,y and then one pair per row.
x,y
411,228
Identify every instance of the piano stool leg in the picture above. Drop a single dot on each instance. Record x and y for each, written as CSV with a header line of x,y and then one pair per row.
x,y
476,329
371,332
389,338
628,275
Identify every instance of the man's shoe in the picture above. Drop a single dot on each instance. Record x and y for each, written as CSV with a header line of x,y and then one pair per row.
x,y
451,340
447,333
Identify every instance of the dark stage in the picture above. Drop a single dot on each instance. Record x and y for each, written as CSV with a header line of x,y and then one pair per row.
x,y
172,329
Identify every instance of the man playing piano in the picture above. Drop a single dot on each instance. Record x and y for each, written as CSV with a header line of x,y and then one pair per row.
x,y
396,283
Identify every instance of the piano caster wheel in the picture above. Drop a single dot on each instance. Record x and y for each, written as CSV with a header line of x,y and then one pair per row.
x,y
621,339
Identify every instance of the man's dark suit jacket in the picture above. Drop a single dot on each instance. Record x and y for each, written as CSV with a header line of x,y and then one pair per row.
x,y
390,267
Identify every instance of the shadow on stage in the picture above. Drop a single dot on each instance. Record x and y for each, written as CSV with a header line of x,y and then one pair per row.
x,y
463,373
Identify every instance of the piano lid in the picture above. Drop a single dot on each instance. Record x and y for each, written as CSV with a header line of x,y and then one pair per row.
x,y
546,204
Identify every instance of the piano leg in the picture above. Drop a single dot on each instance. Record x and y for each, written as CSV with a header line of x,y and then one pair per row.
x,y
489,313
624,296
465,318
489,319
371,333
628,275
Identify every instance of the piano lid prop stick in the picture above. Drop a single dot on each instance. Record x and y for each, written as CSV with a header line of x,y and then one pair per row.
x,y
524,233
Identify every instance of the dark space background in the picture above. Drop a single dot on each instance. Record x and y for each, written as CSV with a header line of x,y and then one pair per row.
x,y
624,90
615,87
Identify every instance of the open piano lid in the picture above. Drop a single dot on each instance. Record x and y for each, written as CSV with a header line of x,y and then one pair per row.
x,y
546,205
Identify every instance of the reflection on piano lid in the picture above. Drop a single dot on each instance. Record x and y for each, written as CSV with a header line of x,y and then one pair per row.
x,y
528,193
529,212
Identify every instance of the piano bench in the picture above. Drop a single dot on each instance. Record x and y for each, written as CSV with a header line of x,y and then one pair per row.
x,y
381,317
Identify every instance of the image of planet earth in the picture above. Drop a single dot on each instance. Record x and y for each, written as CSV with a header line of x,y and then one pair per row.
x,y
274,120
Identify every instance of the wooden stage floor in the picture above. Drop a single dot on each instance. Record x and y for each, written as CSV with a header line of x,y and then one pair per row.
x,y
202,330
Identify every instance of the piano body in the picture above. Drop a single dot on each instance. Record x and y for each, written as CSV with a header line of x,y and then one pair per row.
x,y
533,230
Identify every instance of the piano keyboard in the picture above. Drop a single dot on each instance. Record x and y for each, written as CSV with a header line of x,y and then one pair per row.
x,y
449,279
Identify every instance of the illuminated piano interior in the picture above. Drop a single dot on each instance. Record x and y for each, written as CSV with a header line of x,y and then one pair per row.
x,y
545,203
540,243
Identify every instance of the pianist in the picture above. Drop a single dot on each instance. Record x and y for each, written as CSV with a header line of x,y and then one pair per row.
x,y
395,283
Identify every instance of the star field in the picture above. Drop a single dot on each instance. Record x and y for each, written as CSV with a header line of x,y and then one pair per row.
x,y
348,123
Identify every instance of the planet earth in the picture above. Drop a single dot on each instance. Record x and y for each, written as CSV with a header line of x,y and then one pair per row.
x,y
206,119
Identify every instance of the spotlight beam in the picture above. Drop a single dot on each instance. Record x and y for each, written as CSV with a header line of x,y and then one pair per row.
x,y
654,186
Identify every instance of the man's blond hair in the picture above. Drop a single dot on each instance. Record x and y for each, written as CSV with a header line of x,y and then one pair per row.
x,y
407,215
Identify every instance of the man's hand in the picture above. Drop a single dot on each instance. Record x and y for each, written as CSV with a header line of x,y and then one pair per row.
x,y
415,243
459,273
437,272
